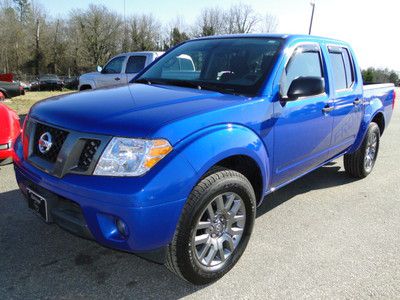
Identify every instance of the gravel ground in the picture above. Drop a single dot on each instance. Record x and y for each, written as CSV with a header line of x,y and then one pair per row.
x,y
323,236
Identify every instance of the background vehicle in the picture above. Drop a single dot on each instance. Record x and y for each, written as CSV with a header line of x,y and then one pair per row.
x,y
48,82
10,89
9,131
177,166
71,83
119,70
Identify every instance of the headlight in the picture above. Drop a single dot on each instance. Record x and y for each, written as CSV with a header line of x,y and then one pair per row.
x,y
131,157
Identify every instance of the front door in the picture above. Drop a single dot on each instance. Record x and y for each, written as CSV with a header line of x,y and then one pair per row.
x,y
302,131
112,73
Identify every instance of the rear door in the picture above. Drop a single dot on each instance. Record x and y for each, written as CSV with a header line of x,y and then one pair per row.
x,y
302,131
135,64
112,73
347,97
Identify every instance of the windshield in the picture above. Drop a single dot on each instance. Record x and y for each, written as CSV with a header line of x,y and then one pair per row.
x,y
231,65
48,77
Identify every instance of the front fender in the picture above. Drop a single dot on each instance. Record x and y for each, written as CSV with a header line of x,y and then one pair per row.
x,y
371,109
211,145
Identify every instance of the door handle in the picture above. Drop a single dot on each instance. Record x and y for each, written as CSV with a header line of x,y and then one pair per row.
x,y
357,101
328,108
117,78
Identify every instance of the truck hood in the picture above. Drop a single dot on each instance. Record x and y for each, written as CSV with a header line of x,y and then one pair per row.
x,y
135,110
90,75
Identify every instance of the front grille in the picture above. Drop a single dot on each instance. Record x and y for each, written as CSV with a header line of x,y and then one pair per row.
x,y
89,150
58,138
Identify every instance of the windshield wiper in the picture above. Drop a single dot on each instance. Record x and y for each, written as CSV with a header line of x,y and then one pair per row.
x,y
143,80
217,88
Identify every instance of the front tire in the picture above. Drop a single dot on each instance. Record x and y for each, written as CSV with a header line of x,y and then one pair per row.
x,y
214,229
361,163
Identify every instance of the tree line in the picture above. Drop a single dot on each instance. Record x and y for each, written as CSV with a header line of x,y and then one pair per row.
x,y
372,75
33,42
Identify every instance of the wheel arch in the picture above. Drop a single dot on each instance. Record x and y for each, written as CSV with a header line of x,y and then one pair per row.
x,y
4,92
235,147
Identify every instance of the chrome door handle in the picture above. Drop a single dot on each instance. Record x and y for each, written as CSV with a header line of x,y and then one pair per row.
x,y
357,101
328,108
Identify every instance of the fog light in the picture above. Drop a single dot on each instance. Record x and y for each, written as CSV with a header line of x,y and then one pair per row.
x,y
4,146
122,228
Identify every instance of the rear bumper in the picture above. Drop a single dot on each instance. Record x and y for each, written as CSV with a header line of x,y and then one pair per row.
x,y
89,206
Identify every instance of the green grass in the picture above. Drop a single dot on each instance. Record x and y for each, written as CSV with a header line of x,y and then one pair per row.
x,y
22,104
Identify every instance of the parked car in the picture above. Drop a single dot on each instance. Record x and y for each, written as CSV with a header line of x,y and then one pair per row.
x,y
25,85
10,89
119,70
49,82
9,131
175,168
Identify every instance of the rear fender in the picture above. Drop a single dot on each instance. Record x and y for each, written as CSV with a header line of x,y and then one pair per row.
x,y
371,109
206,148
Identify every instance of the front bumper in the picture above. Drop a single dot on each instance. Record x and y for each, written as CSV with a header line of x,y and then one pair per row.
x,y
150,205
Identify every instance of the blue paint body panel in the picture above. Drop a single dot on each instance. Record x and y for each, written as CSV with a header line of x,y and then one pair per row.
x,y
285,140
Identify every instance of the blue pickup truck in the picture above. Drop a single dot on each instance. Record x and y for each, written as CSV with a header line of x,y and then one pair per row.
x,y
174,165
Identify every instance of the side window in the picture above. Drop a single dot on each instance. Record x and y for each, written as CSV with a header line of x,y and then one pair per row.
x,y
348,68
114,66
135,64
339,75
303,63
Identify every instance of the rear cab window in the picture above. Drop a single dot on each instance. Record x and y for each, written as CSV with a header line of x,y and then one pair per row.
x,y
305,61
342,68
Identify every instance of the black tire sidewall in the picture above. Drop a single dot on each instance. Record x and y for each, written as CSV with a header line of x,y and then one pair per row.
x,y
373,128
188,267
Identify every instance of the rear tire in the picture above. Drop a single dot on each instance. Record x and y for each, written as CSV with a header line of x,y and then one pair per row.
x,y
361,163
214,228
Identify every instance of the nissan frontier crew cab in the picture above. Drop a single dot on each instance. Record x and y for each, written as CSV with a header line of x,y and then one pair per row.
x,y
174,165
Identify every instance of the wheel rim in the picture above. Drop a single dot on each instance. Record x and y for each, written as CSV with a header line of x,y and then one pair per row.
x,y
370,152
218,231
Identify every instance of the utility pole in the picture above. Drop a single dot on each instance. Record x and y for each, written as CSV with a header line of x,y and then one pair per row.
x,y
312,15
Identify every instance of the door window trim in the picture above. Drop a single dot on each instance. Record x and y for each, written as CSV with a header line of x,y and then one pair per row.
x,y
122,67
310,47
335,48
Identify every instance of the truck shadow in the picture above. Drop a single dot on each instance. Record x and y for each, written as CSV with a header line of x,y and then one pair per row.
x,y
330,175
45,261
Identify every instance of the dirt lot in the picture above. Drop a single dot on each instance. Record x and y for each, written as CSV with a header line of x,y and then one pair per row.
x,y
323,236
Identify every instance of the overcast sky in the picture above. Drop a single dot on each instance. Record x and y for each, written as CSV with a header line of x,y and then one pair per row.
x,y
372,27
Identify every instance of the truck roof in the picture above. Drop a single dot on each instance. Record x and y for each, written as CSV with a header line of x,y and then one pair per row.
x,y
276,35
141,52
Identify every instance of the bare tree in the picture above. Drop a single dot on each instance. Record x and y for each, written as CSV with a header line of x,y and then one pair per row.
x,y
100,32
241,18
144,33
210,22
269,23
34,42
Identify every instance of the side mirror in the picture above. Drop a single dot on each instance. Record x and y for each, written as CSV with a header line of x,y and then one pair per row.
x,y
305,87
99,69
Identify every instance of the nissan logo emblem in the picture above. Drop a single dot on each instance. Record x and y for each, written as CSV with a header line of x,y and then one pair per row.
x,y
45,143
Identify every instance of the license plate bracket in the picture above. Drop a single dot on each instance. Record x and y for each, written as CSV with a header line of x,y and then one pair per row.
x,y
38,204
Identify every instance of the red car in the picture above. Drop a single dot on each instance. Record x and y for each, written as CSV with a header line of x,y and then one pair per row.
x,y
9,131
